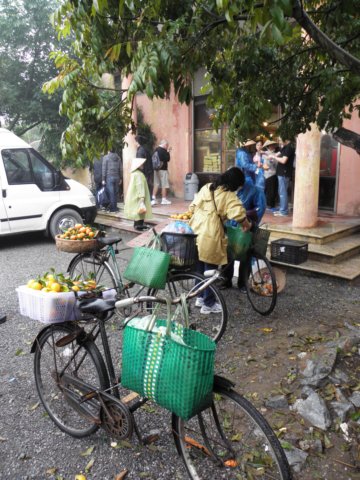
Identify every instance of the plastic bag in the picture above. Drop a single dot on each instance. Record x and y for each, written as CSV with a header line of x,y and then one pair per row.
x,y
102,197
178,227
142,207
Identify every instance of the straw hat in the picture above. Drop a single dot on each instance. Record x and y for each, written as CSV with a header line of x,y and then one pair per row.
x,y
280,276
269,142
248,143
136,163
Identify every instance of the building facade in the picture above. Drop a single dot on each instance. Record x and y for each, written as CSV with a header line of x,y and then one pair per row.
x,y
198,148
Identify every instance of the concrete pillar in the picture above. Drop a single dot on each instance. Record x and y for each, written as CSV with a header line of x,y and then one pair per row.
x,y
307,174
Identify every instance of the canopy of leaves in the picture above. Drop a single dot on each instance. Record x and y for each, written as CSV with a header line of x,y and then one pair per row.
x,y
26,40
256,55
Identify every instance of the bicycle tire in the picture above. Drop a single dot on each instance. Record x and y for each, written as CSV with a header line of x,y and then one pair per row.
x,y
213,324
230,440
51,362
91,264
261,287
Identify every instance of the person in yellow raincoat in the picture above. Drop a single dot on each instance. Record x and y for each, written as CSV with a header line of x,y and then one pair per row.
x,y
212,206
137,201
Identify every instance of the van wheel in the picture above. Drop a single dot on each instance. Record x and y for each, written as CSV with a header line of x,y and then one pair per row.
x,y
62,220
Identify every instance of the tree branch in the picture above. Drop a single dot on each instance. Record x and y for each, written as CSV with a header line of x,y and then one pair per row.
x,y
29,127
332,49
348,138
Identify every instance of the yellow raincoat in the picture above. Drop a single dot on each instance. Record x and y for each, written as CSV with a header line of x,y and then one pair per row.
x,y
137,189
205,222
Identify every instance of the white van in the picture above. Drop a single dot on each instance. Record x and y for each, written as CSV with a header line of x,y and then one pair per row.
x,y
34,195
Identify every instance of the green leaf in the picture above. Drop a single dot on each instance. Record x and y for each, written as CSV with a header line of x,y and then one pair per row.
x,y
89,465
87,452
277,35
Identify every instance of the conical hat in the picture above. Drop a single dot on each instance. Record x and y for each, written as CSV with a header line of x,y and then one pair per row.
x,y
248,143
269,142
136,163
280,276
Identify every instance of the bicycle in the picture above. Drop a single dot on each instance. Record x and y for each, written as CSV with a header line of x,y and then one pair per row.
x,y
259,277
101,264
80,391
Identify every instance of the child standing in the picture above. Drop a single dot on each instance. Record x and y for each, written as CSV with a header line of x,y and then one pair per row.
x,y
259,162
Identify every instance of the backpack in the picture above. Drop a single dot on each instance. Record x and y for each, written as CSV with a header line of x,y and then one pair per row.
x,y
156,162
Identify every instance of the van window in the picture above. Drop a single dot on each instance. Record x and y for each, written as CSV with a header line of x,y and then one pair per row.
x,y
43,174
17,167
26,166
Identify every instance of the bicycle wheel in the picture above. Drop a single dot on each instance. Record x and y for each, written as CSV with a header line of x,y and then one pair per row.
x,y
261,287
213,324
93,264
230,440
55,365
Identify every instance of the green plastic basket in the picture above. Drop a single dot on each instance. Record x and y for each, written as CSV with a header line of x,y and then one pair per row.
x,y
177,377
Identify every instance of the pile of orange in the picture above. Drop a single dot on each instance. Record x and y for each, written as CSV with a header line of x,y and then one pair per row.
x,y
182,216
58,282
79,232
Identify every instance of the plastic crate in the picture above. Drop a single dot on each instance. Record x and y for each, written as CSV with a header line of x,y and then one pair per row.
x,y
182,248
289,251
47,307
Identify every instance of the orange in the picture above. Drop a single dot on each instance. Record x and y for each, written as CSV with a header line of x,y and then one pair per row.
x,y
55,287
36,286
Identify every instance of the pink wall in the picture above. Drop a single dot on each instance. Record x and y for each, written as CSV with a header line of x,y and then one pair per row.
x,y
348,201
171,120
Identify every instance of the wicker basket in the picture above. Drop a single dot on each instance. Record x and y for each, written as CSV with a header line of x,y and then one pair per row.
x,y
75,246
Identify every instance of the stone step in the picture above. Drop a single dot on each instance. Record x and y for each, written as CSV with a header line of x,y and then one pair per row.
x,y
324,233
336,251
348,269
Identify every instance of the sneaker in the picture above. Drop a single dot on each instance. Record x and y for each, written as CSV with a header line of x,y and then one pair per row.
x,y
280,214
153,202
199,302
242,289
165,201
216,308
224,284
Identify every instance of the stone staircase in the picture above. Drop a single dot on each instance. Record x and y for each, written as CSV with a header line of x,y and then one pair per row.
x,y
333,246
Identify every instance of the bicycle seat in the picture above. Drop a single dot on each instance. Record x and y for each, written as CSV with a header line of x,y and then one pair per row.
x,y
96,305
109,239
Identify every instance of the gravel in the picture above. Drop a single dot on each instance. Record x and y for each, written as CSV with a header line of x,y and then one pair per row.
x,y
32,447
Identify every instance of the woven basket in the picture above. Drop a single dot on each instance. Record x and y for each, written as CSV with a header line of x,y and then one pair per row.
x,y
75,246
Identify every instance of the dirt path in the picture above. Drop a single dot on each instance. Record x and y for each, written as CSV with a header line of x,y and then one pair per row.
x,y
263,355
